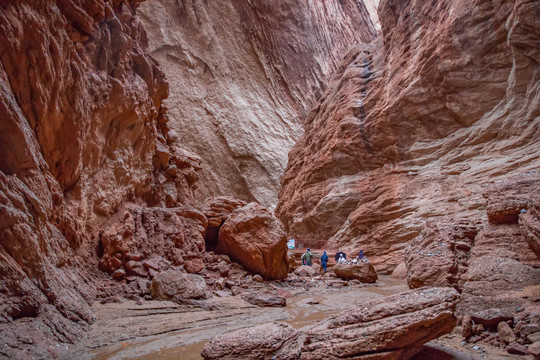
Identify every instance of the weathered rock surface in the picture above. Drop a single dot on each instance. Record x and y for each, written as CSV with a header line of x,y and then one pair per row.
x,y
267,341
243,74
392,327
135,234
365,272
439,255
83,131
397,139
175,284
264,299
255,238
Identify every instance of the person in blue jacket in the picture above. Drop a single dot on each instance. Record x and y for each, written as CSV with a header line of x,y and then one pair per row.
x,y
324,260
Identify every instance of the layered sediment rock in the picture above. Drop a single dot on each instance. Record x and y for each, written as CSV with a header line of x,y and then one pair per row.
x,y
417,126
242,75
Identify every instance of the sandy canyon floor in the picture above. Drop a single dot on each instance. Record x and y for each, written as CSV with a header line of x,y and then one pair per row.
x,y
166,330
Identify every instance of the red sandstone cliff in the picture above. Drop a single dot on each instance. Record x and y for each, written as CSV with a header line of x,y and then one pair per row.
x,y
242,75
422,124
82,132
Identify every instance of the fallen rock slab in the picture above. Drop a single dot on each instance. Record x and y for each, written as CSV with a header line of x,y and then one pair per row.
x,y
264,299
267,341
364,272
394,327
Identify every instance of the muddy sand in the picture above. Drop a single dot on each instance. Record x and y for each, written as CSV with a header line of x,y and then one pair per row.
x,y
166,330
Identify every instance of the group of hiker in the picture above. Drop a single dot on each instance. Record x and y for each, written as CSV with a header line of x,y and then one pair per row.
x,y
340,257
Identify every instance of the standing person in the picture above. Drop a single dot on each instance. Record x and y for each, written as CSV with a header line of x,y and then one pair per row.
x,y
361,255
306,257
341,259
324,260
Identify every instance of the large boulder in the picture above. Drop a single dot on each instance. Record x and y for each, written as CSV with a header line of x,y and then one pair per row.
x,y
255,238
365,272
529,223
173,284
400,272
308,271
217,210
266,341
394,327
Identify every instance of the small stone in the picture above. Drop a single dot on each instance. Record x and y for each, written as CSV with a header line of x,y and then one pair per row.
x,y
505,332
467,325
534,349
258,278
476,347
119,274
534,337
515,348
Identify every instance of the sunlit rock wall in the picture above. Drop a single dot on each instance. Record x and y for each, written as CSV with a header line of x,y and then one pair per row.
x,y
242,76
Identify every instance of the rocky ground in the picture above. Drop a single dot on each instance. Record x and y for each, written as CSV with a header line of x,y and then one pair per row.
x,y
148,329
128,329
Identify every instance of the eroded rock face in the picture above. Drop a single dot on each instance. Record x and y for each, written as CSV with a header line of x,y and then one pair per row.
x,y
255,238
364,272
136,234
83,131
243,74
416,126
439,255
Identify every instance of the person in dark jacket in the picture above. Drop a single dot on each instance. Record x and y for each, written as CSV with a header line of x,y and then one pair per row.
x,y
324,260
338,254
361,255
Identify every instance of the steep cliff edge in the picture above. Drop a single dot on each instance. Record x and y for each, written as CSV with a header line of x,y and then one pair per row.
x,y
82,132
242,76
425,124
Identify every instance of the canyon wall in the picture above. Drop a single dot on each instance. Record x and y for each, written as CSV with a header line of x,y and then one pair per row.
x,y
82,135
419,137
242,76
